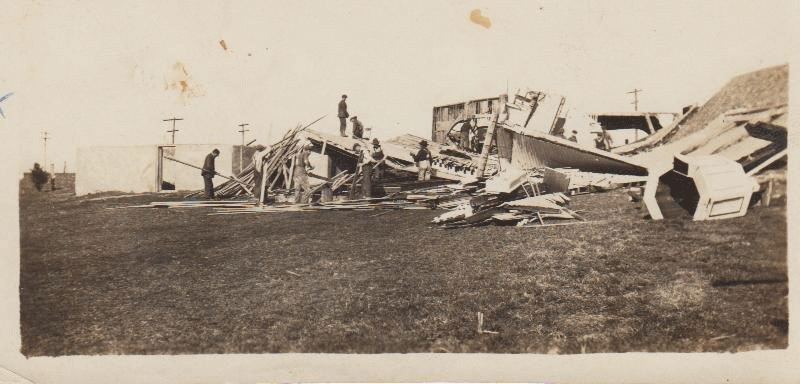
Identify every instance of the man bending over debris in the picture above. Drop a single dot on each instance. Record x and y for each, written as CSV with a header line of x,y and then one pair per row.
x,y
423,159
208,173
358,128
300,177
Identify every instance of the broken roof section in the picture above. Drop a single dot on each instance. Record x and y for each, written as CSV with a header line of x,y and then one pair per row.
x,y
763,88
747,136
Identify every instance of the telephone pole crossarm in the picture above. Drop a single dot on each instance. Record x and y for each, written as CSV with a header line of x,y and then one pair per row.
x,y
173,130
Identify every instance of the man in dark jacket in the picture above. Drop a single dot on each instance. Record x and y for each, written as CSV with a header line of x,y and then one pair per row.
x,y
208,173
377,156
423,159
343,115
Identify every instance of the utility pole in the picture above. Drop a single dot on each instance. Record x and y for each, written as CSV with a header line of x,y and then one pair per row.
x,y
45,137
635,102
173,130
241,150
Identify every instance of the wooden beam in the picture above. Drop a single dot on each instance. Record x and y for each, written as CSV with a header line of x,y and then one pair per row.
x,y
264,178
487,144
767,162
649,123
291,173
245,186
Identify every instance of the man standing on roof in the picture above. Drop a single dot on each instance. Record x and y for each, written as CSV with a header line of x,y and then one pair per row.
x,y
358,128
208,173
423,159
300,177
343,115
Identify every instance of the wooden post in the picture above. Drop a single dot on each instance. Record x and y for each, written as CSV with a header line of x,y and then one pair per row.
x,y
766,196
291,174
262,196
285,176
487,144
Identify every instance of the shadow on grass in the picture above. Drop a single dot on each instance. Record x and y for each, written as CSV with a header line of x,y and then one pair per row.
x,y
731,283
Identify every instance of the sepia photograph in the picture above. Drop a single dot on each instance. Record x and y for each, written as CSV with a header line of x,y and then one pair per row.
x,y
539,179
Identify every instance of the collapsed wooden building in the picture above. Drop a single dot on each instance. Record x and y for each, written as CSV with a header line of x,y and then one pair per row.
x,y
522,153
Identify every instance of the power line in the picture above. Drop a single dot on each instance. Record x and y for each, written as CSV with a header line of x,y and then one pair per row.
x,y
173,130
45,138
241,150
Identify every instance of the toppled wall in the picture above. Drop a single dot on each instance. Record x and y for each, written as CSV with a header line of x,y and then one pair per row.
x,y
535,150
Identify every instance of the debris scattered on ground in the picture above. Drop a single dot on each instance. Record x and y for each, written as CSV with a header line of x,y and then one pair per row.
x,y
527,170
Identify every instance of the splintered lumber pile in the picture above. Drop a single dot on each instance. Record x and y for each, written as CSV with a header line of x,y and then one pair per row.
x,y
495,209
345,205
277,165
443,196
194,204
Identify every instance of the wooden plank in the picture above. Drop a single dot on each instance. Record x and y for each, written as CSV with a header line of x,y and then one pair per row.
x,y
291,173
767,162
487,144
649,123
560,224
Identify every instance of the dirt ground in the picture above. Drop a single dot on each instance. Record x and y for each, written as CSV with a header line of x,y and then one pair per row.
x,y
96,280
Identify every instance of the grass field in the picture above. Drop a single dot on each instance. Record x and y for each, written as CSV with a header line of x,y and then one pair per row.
x,y
176,281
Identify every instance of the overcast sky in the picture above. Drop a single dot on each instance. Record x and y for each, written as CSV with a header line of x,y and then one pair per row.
x,y
103,73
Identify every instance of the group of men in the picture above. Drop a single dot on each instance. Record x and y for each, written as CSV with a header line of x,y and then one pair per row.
x,y
602,140
358,127
370,161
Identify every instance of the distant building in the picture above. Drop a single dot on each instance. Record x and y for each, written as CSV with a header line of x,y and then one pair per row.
x,y
446,116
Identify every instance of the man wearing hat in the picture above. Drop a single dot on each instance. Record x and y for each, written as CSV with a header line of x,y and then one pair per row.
x,y
377,155
208,173
343,115
358,128
423,159
574,136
